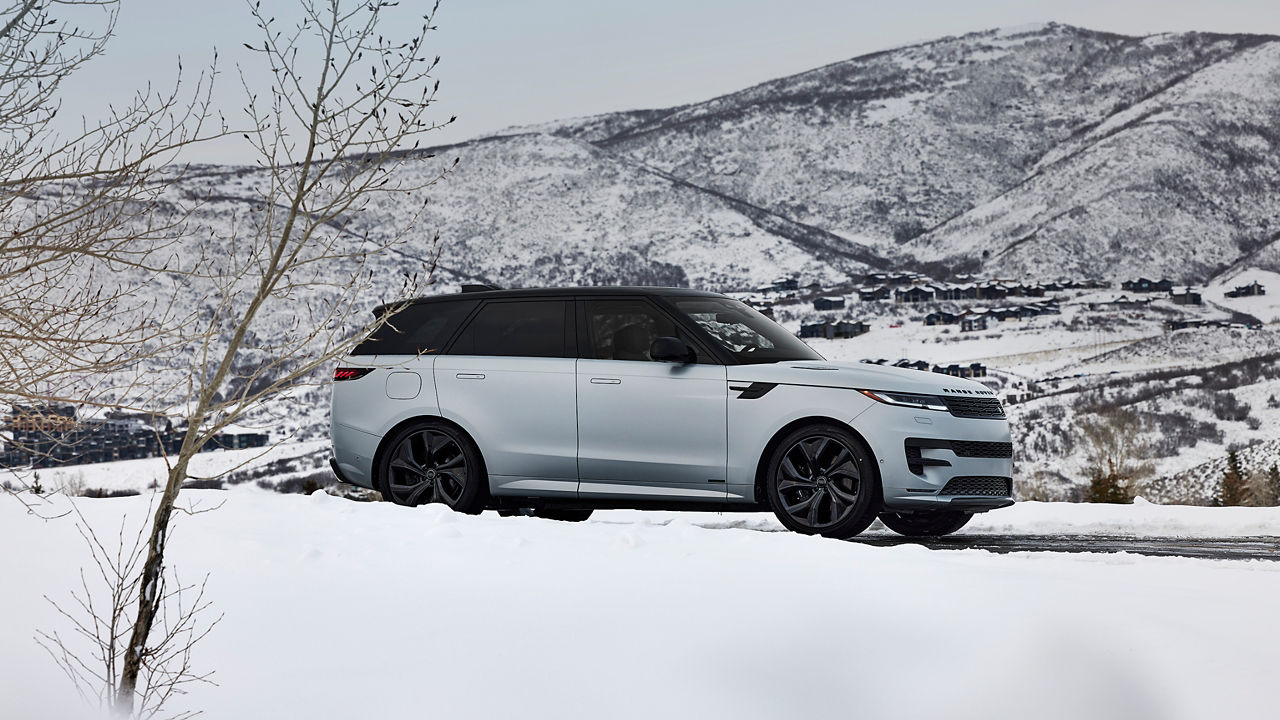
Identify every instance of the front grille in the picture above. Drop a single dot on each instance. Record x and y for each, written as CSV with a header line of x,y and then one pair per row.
x,y
974,407
978,449
978,485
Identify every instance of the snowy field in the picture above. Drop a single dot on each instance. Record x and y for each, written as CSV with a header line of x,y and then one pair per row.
x,y
336,609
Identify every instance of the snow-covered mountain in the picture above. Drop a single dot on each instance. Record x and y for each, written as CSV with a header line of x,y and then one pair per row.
x,y
1037,152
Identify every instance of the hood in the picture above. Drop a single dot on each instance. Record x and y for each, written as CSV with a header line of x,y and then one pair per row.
x,y
856,376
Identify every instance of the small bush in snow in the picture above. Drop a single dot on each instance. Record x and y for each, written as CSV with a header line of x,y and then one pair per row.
x,y
1223,405
102,493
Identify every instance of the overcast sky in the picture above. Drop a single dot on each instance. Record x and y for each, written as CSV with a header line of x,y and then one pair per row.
x,y
509,62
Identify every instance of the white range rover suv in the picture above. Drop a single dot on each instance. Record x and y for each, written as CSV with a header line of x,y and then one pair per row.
x,y
555,402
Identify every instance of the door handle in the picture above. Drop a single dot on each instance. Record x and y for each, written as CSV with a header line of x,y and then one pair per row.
x,y
605,381
470,376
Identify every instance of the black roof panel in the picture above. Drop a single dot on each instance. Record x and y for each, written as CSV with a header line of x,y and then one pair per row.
x,y
555,292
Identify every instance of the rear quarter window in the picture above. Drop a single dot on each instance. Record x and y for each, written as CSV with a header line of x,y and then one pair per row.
x,y
421,329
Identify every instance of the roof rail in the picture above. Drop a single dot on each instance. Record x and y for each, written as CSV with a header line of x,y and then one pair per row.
x,y
478,288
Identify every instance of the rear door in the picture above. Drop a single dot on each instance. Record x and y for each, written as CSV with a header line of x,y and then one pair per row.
x,y
508,379
646,428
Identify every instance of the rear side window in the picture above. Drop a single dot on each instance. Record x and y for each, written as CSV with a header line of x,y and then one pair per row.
x,y
521,328
420,329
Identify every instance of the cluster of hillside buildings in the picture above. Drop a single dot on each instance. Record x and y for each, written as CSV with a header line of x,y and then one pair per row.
x,y
53,435
969,370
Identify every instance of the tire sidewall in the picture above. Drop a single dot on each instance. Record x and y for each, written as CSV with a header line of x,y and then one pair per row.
x,y
864,510
476,492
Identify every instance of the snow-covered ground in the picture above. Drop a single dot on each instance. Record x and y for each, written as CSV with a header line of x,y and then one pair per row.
x,y
145,473
336,609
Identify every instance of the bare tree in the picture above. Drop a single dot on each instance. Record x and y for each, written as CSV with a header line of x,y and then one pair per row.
x,y
82,222
330,141
99,614
1113,444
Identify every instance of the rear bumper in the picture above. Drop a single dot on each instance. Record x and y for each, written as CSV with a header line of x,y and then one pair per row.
x,y
353,452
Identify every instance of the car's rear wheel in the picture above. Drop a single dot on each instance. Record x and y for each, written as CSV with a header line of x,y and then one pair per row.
x,y
822,482
431,462
925,524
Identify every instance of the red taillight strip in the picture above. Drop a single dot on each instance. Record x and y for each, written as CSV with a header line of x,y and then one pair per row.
x,y
350,373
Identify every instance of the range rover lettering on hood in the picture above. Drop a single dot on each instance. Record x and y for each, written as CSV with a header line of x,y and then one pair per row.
x,y
967,392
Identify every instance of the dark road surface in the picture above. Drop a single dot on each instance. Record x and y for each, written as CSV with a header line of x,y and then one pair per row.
x,y
1238,548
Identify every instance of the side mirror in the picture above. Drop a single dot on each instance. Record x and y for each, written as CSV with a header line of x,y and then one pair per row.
x,y
669,349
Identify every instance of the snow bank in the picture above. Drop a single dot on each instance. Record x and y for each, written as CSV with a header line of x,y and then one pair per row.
x,y
336,609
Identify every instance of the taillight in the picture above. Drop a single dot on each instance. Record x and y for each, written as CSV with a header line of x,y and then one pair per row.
x,y
350,373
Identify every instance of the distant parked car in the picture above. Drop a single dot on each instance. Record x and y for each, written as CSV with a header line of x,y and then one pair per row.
x,y
556,402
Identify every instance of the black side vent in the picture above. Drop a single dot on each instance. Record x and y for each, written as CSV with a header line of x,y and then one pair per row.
x,y
753,391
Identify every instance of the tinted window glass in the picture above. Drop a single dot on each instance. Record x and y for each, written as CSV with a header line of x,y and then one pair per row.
x,y
750,336
523,328
419,329
624,330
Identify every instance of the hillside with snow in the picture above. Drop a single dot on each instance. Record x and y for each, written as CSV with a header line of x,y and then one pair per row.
x,y
1031,153
1037,152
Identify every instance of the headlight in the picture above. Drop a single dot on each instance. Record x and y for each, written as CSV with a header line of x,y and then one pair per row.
x,y
923,402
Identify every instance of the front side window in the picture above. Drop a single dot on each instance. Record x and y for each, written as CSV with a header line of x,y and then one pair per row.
x,y
519,328
749,336
624,330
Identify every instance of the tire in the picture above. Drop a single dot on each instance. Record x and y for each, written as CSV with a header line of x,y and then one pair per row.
x,y
926,524
822,481
565,514
431,461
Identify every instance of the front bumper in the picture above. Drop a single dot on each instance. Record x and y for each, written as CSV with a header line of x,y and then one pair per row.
x,y
909,484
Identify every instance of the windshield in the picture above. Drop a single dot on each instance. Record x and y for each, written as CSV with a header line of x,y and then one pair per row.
x,y
746,334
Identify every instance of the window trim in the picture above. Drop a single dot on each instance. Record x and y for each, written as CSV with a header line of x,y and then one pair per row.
x,y
708,350
570,351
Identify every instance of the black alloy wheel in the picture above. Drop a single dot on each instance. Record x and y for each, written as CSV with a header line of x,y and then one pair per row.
x,y
822,482
433,463
926,524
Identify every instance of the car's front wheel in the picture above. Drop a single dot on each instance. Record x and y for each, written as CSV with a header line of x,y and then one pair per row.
x,y
431,462
925,524
822,482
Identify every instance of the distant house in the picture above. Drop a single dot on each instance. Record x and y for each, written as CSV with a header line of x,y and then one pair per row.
x,y
1004,313
785,284
828,303
850,328
1253,289
992,291
813,287
972,370
1146,285
913,294
973,323
1184,296
1034,290
831,330
873,294
822,329
941,318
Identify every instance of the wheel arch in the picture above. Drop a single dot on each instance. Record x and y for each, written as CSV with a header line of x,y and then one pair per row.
x,y
763,461
384,443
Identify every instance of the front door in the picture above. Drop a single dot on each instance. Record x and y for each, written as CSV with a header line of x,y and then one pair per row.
x,y
646,428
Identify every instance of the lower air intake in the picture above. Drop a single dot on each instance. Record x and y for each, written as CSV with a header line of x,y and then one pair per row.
x,y
978,485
